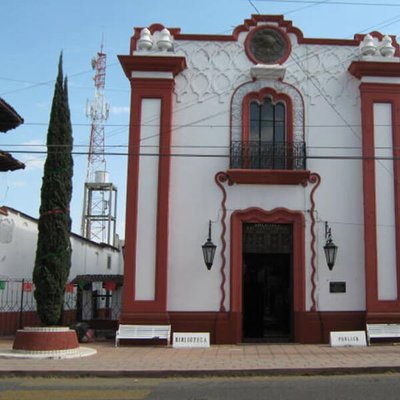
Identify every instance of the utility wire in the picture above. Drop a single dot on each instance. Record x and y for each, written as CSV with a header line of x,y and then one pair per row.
x,y
334,2
305,7
209,126
193,155
252,4
44,83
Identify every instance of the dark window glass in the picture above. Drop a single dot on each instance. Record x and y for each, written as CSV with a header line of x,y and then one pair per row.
x,y
266,147
267,121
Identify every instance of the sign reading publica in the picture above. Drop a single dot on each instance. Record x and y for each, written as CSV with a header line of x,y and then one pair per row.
x,y
348,339
191,339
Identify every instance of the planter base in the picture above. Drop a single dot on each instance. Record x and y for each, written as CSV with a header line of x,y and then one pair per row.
x,y
45,339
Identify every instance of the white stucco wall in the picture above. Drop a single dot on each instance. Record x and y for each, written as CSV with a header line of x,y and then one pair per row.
x,y
18,239
147,200
332,131
385,196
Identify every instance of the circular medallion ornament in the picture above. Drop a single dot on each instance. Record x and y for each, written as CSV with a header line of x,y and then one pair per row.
x,y
268,46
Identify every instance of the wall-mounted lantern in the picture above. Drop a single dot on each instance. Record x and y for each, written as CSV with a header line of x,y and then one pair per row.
x,y
209,249
330,248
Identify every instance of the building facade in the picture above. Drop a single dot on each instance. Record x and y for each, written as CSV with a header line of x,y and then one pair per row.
x,y
94,288
278,140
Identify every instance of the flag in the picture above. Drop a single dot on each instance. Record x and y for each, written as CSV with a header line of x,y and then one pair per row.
x,y
109,285
81,285
69,287
27,287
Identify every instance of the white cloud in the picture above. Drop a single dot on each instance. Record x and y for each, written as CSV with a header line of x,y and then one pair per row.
x,y
33,143
31,160
34,163
17,184
116,110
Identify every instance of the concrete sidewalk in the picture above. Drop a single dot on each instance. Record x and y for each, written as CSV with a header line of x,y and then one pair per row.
x,y
227,360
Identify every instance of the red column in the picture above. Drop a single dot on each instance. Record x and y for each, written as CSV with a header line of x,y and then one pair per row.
x,y
371,93
149,87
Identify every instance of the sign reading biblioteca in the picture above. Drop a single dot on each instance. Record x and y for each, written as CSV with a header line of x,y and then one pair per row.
x,y
191,339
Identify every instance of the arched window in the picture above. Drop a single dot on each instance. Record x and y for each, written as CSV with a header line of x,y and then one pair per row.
x,y
267,135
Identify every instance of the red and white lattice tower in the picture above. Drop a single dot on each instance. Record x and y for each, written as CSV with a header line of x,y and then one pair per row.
x,y
100,205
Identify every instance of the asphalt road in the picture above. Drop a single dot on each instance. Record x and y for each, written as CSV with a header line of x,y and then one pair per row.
x,y
384,386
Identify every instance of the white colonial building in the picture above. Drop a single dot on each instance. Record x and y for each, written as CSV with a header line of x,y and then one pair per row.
x,y
278,140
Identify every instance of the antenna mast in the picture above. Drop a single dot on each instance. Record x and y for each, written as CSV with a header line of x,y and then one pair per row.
x,y
100,205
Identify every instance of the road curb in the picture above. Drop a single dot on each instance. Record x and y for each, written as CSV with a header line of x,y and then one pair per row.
x,y
204,373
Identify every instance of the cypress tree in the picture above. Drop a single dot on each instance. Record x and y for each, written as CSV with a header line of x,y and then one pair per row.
x,y
53,253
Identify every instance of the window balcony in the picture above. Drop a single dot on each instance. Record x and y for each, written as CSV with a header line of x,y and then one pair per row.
x,y
268,163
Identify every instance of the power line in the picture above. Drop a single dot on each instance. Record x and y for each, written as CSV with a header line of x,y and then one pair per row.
x,y
252,4
346,3
193,155
195,146
156,125
44,83
305,7
71,85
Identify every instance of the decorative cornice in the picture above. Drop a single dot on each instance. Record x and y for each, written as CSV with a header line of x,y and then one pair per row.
x,y
247,26
172,64
269,177
360,69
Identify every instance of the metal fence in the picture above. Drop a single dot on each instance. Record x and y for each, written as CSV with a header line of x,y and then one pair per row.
x,y
92,303
266,155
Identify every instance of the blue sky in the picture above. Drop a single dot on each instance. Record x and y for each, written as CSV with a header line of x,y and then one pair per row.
x,y
35,31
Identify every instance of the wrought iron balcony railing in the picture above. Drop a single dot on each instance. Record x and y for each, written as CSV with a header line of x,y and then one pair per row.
x,y
266,155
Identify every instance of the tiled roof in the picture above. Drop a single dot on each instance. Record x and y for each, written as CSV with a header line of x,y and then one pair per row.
x,y
9,118
9,163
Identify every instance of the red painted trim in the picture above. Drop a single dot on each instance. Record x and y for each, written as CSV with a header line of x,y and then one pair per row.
x,y
221,177
247,26
144,89
315,327
360,69
316,180
287,25
257,215
276,98
164,168
309,327
383,317
378,93
175,65
132,201
396,168
280,31
268,177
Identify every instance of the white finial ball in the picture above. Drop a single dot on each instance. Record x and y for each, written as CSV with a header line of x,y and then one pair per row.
x,y
387,49
368,46
164,42
145,41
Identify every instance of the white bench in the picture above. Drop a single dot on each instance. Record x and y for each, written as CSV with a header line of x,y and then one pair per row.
x,y
143,332
382,331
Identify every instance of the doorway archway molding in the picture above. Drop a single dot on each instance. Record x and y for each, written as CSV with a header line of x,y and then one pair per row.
x,y
275,216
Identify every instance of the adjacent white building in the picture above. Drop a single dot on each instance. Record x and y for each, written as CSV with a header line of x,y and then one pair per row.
x,y
93,290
